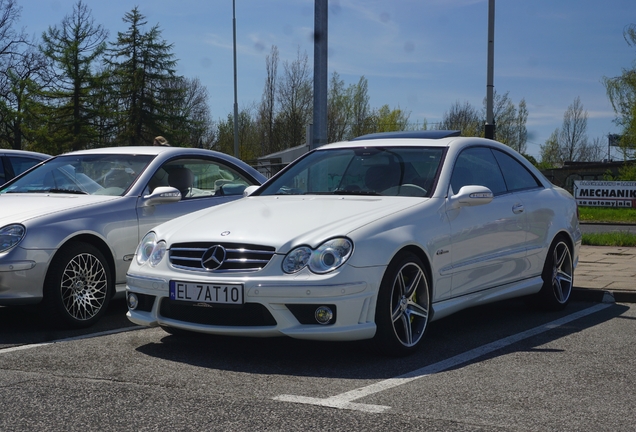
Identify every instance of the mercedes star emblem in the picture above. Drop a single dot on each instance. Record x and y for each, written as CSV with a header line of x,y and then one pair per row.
x,y
213,257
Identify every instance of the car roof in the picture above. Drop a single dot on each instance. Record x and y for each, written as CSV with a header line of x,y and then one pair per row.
x,y
433,138
422,134
146,150
12,152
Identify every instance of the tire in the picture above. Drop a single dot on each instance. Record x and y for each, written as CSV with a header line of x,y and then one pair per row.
x,y
403,307
78,286
558,276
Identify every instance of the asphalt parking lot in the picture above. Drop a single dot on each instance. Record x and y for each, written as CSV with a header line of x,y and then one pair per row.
x,y
500,367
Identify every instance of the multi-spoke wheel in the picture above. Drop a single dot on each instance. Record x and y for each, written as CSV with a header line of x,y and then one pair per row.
x,y
558,276
403,306
78,286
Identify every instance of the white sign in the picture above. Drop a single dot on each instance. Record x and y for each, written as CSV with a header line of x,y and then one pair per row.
x,y
597,193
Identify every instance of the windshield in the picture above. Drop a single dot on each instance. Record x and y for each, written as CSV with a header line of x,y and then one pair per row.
x,y
389,171
103,174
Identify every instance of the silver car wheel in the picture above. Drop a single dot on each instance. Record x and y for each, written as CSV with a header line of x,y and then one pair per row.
x,y
409,304
84,286
78,286
558,276
562,272
403,306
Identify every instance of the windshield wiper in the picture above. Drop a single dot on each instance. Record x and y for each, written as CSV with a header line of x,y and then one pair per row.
x,y
354,192
68,191
344,192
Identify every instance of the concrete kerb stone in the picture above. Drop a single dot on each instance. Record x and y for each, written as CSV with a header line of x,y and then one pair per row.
x,y
605,274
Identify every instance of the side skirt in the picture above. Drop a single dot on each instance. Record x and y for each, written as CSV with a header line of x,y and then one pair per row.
x,y
517,289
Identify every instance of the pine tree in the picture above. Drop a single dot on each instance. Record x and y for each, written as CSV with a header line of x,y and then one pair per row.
x,y
143,70
73,48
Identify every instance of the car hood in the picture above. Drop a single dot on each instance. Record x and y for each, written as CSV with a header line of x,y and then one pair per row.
x,y
283,221
19,208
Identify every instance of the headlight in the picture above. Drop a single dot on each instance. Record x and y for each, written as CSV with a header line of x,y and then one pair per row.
x,y
327,257
149,250
10,236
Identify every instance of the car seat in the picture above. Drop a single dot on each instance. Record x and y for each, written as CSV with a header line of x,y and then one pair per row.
x,y
181,179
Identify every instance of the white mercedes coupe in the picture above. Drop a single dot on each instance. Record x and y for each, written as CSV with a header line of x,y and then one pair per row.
x,y
366,239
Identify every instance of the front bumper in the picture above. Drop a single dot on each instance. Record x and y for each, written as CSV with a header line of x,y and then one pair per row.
x,y
22,274
273,305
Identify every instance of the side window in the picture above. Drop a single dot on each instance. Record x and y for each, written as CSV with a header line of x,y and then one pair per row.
x,y
196,178
517,177
477,166
3,177
21,164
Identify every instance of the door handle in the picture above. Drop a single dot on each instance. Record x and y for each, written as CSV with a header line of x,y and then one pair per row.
x,y
517,208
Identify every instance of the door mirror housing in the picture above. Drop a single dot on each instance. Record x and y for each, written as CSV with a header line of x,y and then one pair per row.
x,y
471,195
162,195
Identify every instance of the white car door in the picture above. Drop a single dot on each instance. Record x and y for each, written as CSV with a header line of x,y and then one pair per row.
x,y
488,242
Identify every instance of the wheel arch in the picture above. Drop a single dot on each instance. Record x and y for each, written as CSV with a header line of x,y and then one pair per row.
x,y
419,252
567,237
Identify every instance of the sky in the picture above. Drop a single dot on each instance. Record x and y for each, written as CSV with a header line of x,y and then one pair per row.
x,y
421,56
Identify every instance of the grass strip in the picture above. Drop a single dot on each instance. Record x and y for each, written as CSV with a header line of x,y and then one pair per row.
x,y
607,215
619,238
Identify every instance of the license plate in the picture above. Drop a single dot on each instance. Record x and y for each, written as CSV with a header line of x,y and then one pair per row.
x,y
206,293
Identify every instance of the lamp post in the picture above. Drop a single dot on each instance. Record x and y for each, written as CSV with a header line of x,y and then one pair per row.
x,y
319,129
489,129
236,138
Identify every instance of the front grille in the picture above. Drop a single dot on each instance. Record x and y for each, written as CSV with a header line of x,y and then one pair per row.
x,y
239,256
249,314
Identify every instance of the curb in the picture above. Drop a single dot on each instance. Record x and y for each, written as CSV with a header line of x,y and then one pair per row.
x,y
603,296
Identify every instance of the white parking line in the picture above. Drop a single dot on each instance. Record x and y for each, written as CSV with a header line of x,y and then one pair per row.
x,y
87,336
344,400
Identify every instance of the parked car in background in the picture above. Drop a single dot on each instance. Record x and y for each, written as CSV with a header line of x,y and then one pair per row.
x,y
15,162
366,239
70,226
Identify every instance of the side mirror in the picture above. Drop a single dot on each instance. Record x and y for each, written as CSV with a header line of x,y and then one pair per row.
x,y
471,196
250,190
162,195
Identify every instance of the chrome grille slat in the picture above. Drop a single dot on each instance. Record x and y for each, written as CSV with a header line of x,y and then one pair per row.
x,y
239,257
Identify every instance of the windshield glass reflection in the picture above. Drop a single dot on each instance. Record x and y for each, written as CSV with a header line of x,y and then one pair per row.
x,y
106,174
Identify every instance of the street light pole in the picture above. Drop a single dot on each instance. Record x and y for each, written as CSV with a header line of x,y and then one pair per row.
x,y
320,74
236,137
489,129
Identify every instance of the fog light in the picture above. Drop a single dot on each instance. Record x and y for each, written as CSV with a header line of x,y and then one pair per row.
x,y
323,315
133,301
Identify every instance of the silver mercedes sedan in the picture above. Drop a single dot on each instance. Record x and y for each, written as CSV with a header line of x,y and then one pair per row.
x,y
70,226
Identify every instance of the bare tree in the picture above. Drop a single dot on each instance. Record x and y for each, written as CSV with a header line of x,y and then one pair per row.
x,y
594,151
18,115
11,41
295,96
573,134
188,116
464,118
510,121
550,152
361,121
339,110
520,131
267,108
